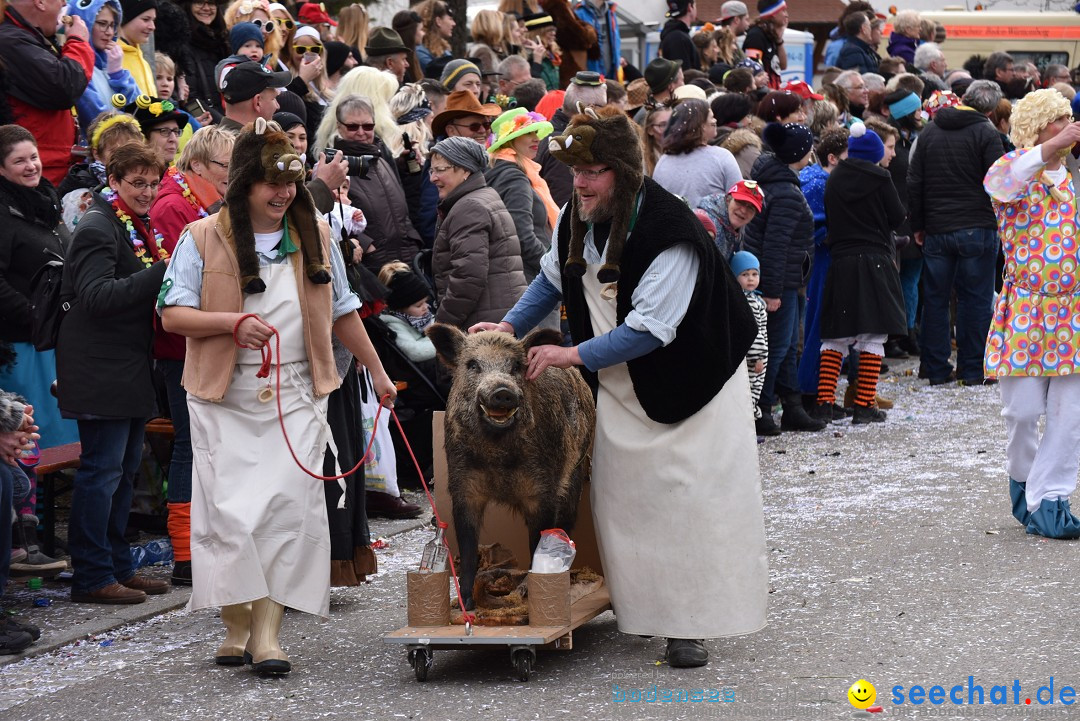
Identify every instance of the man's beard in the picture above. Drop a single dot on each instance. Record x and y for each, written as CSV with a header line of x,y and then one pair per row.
x,y
603,208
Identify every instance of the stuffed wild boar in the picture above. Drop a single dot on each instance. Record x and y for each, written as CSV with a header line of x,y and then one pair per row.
x,y
524,444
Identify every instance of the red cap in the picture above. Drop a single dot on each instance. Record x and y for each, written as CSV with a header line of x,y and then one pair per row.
x,y
748,191
314,14
800,88
706,221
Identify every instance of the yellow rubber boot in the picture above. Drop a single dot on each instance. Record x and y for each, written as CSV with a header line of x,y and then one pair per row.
x,y
266,653
237,620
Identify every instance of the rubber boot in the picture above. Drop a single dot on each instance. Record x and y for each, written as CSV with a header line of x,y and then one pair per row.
x,y
795,417
266,654
237,620
36,563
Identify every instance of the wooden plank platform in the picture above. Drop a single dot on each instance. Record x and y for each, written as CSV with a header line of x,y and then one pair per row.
x,y
450,637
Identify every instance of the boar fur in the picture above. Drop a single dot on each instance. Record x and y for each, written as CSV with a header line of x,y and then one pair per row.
x,y
524,444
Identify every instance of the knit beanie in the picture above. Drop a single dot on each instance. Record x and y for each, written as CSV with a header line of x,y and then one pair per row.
x,y
790,142
241,33
742,261
405,289
454,71
766,8
864,144
462,152
135,8
336,55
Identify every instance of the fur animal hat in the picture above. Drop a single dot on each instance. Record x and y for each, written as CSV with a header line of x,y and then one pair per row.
x,y
605,136
262,152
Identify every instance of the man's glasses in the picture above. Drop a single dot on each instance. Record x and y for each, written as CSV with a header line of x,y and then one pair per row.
x,y
104,25
168,132
353,127
267,26
301,49
589,175
474,127
141,185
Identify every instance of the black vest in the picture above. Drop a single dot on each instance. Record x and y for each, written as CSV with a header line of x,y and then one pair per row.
x,y
673,382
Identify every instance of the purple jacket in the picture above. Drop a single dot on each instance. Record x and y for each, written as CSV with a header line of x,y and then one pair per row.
x,y
902,46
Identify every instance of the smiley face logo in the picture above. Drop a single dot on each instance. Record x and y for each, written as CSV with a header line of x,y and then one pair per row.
x,y
862,693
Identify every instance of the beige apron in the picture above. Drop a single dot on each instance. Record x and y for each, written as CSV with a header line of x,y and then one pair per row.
x,y
258,523
677,507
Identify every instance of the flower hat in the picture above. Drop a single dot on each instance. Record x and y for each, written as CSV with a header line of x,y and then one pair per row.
x,y
517,122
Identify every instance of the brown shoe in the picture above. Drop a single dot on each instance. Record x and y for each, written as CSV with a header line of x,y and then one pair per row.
x,y
149,586
114,593
387,506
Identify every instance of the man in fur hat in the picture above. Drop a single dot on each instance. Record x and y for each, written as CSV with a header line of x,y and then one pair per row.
x,y
662,329
1034,347
262,265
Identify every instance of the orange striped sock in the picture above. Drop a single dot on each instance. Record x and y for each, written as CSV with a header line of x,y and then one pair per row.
x,y
828,376
869,372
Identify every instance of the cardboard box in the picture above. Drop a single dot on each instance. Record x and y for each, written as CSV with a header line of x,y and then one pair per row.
x,y
501,525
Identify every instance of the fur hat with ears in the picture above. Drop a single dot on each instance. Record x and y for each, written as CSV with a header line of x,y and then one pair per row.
x,y
263,153
602,137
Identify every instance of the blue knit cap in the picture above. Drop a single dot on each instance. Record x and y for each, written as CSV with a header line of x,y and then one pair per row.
x,y
744,260
864,144
243,32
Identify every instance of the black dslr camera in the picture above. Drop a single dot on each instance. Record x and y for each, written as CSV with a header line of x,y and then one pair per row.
x,y
358,164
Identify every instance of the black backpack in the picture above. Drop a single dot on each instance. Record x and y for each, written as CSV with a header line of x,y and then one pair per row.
x,y
47,305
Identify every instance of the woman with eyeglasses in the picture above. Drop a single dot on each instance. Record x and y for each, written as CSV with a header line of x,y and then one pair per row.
x,y
162,124
380,195
258,12
479,274
109,77
191,190
208,44
439,27
309,74
690,167
112,276
135,28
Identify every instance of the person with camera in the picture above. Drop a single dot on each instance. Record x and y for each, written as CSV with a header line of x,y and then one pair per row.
x,y
376,187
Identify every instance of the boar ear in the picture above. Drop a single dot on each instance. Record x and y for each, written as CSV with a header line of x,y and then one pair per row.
x,y
542,336
447,340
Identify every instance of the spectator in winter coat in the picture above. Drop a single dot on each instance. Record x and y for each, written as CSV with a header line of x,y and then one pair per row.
x,y
905,36
110,77
951,217
858,53
45,80
136,29
575,38
606,56
781,237
675,42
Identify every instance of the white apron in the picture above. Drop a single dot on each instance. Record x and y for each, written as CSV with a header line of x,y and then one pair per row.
x,y
258,523
677,507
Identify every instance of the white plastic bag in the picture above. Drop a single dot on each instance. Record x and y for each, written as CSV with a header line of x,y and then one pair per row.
x,y
555,552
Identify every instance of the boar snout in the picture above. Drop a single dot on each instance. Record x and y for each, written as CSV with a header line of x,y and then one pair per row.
x,y
500,403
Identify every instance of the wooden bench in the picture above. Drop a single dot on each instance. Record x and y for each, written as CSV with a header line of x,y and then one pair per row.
x,y
53,460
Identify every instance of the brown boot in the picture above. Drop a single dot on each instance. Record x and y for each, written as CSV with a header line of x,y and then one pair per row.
x,y
237,620
114,593
149,586
266,654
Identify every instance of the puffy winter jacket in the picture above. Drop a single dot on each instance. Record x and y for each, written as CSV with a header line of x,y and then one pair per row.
x,y
43,83
857,55
782,234
901,46
477,257
951,156
382,199
527,210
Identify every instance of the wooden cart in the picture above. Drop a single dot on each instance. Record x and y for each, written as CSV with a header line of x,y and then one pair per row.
x,y
523,641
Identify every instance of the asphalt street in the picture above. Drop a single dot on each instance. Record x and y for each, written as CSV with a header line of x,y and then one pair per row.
x,y
893,558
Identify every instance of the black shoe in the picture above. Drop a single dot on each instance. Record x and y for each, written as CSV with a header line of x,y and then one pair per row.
x,y
910,344
12,641
822,412
14,624
893,350
884,368
839,413
766,426
181,573
867,414
979,381
942,381
797,419
685,653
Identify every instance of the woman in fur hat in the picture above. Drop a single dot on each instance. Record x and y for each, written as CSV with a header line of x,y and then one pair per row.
x,y
259,536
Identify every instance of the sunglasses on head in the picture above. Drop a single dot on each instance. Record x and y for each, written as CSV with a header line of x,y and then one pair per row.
x,y
474,127
353,127
301,49
267,26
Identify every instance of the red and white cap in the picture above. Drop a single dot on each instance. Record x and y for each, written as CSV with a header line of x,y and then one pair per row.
x,y
749,192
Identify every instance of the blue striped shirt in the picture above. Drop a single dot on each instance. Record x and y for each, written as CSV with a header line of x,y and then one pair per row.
x,y
186,270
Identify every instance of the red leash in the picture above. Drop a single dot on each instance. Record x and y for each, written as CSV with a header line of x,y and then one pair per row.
x,y
264,372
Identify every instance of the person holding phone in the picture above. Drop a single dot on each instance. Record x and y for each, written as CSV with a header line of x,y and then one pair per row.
x,y
309,70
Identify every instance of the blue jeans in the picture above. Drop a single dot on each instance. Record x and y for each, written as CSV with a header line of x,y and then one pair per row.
x,y
910,272
14,490
962,261
101,502
180,463
781,374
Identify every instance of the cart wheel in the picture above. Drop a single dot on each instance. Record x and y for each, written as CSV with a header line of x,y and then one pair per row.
x,y
523,661
421,661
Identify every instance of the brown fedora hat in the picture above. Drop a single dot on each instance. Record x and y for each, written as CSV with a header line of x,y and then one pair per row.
x,y
459,104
